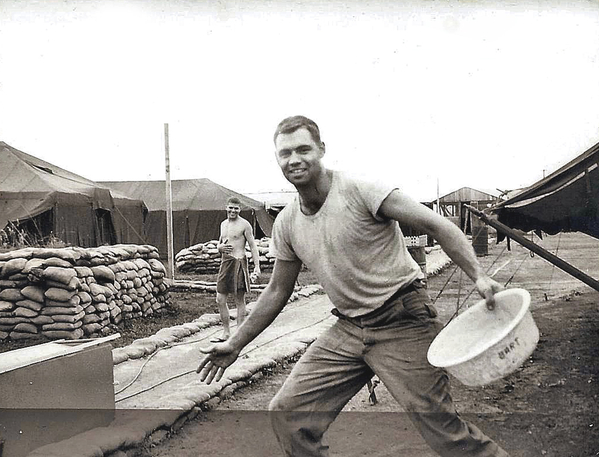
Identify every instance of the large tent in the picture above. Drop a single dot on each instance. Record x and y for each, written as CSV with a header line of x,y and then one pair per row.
x,y
45,200
198,208
565,201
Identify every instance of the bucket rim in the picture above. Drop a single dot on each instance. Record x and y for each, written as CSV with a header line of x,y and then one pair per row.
x,y
484,347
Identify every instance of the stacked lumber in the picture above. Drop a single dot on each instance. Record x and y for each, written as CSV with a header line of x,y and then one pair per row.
x,y
204,258
75,292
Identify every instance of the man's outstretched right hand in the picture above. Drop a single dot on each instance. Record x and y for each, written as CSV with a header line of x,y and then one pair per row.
x,y
218,357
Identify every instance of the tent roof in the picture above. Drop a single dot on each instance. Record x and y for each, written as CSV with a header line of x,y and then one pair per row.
x,y
30,186
187,194
566,200
22,172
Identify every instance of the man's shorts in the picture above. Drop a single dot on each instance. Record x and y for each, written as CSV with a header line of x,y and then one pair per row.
x,y
233,275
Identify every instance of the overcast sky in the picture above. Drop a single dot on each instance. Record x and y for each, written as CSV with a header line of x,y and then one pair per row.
x,y
484,94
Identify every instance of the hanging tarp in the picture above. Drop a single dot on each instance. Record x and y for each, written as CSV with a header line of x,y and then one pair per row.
x,y
49,200
565,201
198,207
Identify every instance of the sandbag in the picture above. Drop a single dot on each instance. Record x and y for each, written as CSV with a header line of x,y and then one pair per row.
x,y
57,262
59,334
83,272
24,312
85,297
91,319
34,293
13,266
32,305
21,336
73,284
58,310
32,263
90,329
103,274
67,318
41,320
13,295
56,294
26,328
59,274
72,303
96,289
6,305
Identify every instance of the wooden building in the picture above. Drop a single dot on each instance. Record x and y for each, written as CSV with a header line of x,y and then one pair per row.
x,y
452,206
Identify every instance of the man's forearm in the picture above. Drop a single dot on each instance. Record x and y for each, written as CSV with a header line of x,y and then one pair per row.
x,y
256,258
456,246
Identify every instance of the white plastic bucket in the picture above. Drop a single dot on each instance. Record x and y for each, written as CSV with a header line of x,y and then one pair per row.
x,y
480,345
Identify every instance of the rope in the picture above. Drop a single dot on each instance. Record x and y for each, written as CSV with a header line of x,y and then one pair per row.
x,y
525,258
445,285
143,239
474,288
193,371
136,377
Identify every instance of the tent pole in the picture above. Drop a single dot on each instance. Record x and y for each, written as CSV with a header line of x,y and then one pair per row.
x,y
565,266
438,205
169,209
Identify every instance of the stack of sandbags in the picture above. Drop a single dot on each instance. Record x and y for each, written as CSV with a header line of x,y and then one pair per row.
x,y
75,292
204,257
199,258
267,260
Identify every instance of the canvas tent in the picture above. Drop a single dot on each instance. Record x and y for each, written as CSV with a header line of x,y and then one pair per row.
x,y
198,207
45,200
565,201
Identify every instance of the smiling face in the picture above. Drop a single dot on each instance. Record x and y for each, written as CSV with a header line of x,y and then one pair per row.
x,y
233,210
299,156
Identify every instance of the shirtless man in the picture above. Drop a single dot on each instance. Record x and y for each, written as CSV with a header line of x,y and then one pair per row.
x,y
233,276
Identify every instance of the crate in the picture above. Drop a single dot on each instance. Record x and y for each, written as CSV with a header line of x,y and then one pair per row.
x,y
53,391
416,241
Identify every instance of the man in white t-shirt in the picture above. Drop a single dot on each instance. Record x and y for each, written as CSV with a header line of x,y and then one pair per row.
x,y
346,231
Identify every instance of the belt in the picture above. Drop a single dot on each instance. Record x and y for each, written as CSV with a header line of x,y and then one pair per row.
x,y
384,307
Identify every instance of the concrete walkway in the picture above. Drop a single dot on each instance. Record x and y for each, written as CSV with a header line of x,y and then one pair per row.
x,y
299,324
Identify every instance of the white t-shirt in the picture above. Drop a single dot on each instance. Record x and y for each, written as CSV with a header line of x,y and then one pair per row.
x,y
359,259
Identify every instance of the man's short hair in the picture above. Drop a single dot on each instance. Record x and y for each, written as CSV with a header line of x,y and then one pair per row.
x,y
293,123
233,201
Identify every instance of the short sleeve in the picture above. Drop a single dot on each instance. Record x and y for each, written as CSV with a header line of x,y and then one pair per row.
x,y
280,246
372,194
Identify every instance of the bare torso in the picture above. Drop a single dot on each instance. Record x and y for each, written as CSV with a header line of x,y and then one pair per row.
x,y
233,232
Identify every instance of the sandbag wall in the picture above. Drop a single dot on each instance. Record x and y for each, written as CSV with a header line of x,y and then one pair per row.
x,y
75,292
204,258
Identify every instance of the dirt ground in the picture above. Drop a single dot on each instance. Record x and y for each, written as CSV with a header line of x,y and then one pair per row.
x,y
546,408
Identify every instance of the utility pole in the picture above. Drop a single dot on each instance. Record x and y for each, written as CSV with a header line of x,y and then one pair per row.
x,y
438,205
169,208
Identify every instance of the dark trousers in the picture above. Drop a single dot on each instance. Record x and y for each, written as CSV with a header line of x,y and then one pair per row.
x,y
392,343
